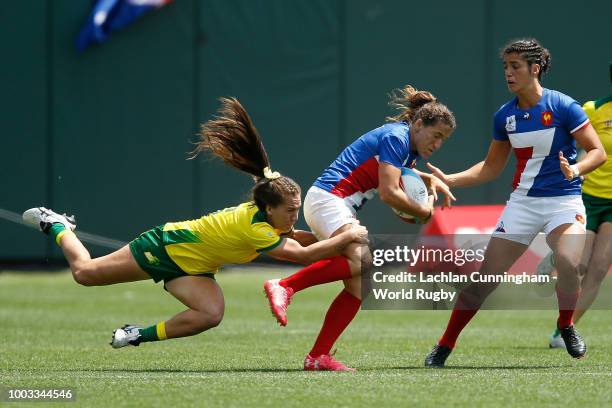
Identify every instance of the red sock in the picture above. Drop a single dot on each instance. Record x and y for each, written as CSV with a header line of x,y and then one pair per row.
x,y
567,304
340,314
460,317
324,271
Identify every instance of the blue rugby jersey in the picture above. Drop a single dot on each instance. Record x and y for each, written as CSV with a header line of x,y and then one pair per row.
x,y
353,176
537,135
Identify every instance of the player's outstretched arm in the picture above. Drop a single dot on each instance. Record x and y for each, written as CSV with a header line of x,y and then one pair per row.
x,y
291,250
482,172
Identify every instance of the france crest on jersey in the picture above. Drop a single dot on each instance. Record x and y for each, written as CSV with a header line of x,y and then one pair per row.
x,y
537,136
353,176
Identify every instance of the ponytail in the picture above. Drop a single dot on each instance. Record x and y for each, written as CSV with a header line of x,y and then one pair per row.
x,y
414,105
232,137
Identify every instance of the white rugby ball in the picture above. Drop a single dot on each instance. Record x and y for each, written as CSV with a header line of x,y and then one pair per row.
x,y
415,189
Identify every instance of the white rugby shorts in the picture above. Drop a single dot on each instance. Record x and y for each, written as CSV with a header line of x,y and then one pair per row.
x,y
325,212
524,217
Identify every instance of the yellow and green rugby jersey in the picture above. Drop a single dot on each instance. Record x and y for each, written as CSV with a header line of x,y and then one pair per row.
x,y
599,182
233,235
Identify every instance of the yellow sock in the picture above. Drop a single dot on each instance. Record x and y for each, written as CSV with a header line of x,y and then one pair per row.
x,y
161,330
59,236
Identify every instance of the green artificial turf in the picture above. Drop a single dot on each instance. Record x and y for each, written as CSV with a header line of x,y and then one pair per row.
x,y
55,333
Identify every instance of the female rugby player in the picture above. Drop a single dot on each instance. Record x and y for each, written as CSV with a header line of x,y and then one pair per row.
x,y
187,254
372,164
541,126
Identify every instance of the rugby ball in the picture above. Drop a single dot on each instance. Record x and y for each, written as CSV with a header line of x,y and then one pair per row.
x,y
415,189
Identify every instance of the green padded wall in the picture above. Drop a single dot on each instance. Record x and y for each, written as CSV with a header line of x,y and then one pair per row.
x,y
105,135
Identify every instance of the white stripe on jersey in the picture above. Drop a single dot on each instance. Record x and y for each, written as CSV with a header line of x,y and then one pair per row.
x,y
357,199
541,141
579,126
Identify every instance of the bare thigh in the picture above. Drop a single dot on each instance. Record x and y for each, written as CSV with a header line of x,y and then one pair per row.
x,y
567,242
117,267
499,256
198,293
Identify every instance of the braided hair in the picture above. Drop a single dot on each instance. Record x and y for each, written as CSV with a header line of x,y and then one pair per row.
x,y
531,51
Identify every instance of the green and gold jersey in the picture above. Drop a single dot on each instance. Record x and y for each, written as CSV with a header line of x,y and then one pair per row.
x,y
599,182
233,235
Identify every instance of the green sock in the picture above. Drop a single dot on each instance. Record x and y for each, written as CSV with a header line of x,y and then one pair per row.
x,y
556,333
149,334
55,230
153,333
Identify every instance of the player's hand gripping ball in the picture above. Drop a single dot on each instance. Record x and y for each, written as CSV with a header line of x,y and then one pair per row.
x,y
415,189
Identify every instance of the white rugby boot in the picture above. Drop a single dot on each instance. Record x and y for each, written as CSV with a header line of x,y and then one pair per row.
x,y
126,336
43,218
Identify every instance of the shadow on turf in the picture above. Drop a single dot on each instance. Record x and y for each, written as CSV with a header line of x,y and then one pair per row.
x,y
170,370
476,367
295,370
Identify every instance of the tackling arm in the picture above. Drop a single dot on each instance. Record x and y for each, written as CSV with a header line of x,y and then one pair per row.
x,y
291,250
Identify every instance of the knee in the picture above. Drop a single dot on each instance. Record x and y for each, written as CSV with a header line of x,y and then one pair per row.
x,y
207,319
359,259
215,318
567,263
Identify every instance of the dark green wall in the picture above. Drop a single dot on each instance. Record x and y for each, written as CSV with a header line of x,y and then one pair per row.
x,y
105,134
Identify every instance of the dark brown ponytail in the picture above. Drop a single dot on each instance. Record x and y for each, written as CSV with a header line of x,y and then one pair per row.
x,y
414,105
232,137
